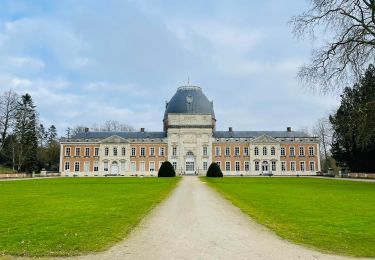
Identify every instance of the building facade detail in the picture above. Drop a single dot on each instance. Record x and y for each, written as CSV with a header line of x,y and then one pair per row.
x,y
190,142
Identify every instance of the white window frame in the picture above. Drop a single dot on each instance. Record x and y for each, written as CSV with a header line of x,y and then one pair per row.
x,y
106,151
67,151
293,166
96,166
227,165
246,166
142,151
161,151
86,167
246,151
142,166
151,166
133,166
264,150
282,151
115,151
134,151
283,166
301,151
152,151
217,150
174,164
77,151
205,151
123,151
273,150
106,166
174,151
302,166
256,166
292,151
237,166
205,165
227,151
77,169
67,166
96,151
256,150
87,151
311,151
273,166
219,164
312,163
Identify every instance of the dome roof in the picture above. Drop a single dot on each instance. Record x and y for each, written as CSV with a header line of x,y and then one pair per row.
x,y
189,100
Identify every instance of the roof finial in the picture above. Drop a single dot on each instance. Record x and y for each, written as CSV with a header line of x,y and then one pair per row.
x,y
188,81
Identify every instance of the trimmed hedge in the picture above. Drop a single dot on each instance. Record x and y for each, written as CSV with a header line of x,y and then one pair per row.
x,y
166,170
214,171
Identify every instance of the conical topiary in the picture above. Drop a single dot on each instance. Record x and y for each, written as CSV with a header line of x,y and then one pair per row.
x,y
214,171
166,170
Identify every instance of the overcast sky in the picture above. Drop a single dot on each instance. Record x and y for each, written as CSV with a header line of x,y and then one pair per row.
x,y
88,61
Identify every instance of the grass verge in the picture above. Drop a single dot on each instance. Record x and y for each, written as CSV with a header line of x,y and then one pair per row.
x,y
72,216
332,216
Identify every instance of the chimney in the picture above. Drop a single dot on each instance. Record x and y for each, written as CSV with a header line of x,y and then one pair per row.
x,y
86,129
230,129
142,130
289,129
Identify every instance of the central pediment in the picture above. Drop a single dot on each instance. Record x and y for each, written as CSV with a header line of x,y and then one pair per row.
x,y
264,139
114,139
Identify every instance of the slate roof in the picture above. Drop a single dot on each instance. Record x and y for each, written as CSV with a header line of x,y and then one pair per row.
x,y
199,103
253,134
126,135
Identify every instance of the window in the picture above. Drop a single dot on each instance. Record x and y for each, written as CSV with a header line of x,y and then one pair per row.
x,y
257,166
301,151
273,151
96,166
283,166
205,151
227,166
174,164
302,166
273,166
256,151
246,151
291,151
142,166
219,164
152,151
143,151
87,151
205,166
134,152
292,166
86,167
123,151
236,151
76,166
227,151
264,150
67,166
282,151
312,166
217,151
105,166
106,151
174,151
114,151
247,166
152,166
161,151
67,151
78,151
311,151
238,167
96,151
132,166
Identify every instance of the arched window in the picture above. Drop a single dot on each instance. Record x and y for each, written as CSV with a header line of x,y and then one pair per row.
x,y
273,152
256,151
189,153
264,150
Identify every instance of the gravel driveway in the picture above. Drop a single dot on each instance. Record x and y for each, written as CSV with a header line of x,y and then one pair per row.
x,y
195,222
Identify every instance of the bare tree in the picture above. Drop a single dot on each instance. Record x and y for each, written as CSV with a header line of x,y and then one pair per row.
x,y
8,109
113,126
349,27
323,130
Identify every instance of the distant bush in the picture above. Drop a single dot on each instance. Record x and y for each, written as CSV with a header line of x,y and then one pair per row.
x,y
166,170
214,171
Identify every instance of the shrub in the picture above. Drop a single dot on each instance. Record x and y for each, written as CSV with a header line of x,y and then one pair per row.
x,y
166,170
214,171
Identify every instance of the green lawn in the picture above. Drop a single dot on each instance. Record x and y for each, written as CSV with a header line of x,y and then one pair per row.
x,y
330,215
70,216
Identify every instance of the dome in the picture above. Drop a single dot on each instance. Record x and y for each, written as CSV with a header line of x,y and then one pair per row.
x,y
189,100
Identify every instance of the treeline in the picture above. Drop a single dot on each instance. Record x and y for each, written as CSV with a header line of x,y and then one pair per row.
x,y
348,135
26,145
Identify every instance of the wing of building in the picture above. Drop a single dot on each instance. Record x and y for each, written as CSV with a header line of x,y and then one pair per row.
x,y
189,140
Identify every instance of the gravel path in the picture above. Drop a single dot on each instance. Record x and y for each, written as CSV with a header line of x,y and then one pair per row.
x,y
195,222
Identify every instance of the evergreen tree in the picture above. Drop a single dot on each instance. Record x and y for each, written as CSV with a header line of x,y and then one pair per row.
x,y
214,171
25,132
51,135
41,134
166,170
353,143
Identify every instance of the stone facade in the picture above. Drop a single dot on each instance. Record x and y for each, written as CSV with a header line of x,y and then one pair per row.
x,y
190,142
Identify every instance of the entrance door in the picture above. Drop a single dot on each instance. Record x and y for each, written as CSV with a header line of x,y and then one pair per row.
x,y
190,163
265,167
114,168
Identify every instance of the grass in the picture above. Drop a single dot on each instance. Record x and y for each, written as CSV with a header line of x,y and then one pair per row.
x,y
332,216
72,216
